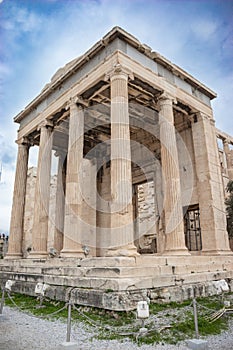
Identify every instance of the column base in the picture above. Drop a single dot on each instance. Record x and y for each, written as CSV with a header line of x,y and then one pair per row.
x,y
72,254
37,255
127,251
217,252
176,252
13,256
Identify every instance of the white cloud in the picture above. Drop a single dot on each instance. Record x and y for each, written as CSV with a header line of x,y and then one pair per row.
x,y
21,20
6,193
204,28
221,106
4,69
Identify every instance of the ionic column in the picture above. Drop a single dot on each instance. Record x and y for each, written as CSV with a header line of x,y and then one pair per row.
x,y
17,213
42,193
72,243
229,159
60,204
210,187
121,240
174,227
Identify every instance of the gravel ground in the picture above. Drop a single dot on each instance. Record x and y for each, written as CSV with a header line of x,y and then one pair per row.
x,y
19,331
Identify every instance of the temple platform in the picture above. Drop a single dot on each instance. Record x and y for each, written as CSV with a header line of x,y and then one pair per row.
x,y
118,283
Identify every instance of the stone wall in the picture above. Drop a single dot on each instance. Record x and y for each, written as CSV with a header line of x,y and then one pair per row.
x,y
146,217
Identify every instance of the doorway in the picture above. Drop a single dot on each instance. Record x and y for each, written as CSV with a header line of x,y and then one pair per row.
x,y
192,229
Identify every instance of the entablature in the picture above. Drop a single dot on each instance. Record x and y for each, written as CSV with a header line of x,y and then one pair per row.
x,y
115,42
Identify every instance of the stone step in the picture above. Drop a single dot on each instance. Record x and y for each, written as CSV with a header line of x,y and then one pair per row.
x,y
115,272
101,270
199,260
108,262
22,269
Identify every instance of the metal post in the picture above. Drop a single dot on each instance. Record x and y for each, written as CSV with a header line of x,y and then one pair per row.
x,y
195,317
41,300
69,322
2,300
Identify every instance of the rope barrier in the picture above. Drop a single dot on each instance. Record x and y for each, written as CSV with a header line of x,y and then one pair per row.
x,y
119,330
205,307
85,316
214,315
37,316
94,324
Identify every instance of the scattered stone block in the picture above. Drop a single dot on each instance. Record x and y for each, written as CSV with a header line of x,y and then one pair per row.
x,y
2,317
197,344
68,346
221,286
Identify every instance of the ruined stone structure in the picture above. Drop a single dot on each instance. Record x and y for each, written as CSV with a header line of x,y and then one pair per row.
x,y
3,246
138,205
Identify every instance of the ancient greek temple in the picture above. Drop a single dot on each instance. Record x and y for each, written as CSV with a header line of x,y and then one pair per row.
x,y
137,202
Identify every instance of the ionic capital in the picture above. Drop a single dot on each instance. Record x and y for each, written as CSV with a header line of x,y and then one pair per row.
x,y
75,102
60,153
24,141
166,99
209,118
46,123
226,141
119,71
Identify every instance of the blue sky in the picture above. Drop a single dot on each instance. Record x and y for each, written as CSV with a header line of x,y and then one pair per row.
x,y
39,36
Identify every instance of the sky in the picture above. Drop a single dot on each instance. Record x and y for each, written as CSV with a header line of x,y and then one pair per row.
x,y
39,36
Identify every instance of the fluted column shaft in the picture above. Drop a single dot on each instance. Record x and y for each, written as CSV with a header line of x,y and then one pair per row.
x,y
42,193
210,187
72,243
229,159
60,205
17,213
174,227
122,235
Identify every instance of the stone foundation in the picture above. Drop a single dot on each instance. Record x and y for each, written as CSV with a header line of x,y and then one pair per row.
x,y
108,283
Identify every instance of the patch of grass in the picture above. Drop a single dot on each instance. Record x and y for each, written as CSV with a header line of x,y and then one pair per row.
x,y
154,308
152,338
207,328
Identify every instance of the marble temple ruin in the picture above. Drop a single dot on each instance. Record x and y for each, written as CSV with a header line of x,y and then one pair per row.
x,y
136,206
